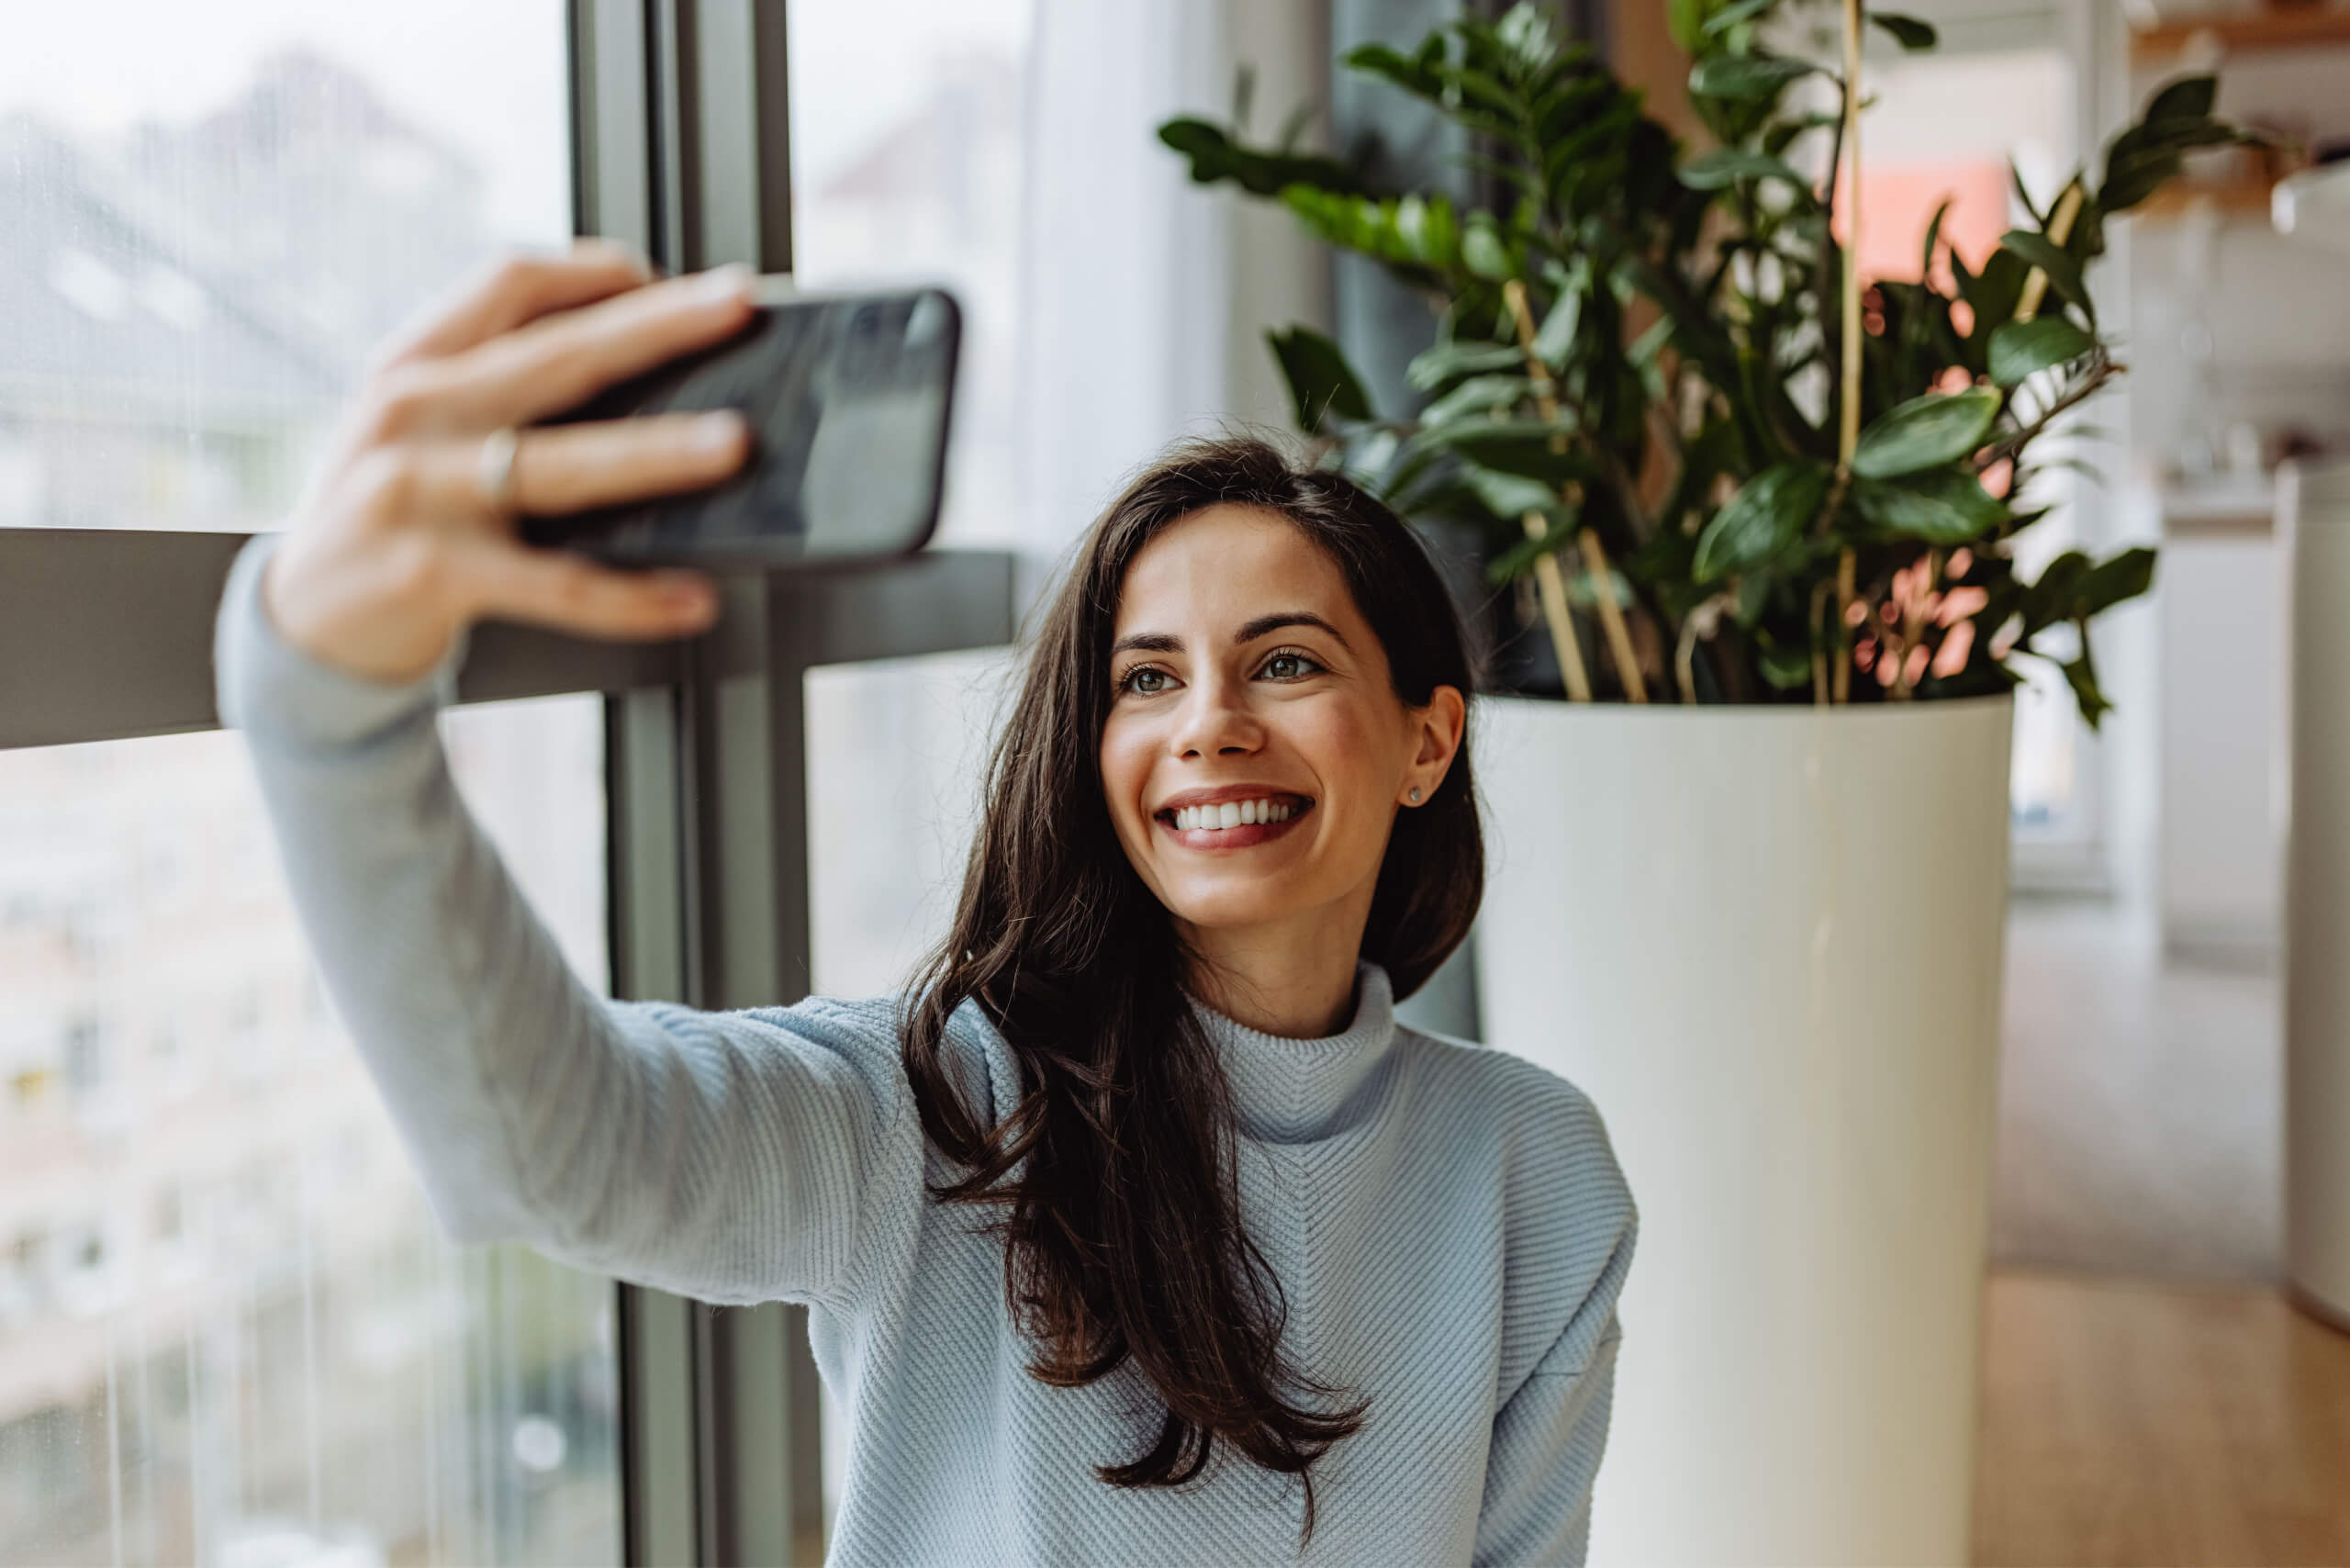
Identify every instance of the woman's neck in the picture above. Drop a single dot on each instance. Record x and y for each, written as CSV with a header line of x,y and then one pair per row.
x,y
1294,978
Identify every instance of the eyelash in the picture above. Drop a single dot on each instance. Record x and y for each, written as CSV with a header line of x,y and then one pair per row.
x,y
1126,681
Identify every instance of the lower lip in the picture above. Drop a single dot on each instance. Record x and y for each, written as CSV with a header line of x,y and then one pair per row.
x,y
1245,836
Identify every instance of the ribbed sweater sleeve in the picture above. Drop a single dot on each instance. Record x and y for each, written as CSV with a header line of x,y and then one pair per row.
x,y
731,1156
1551,1433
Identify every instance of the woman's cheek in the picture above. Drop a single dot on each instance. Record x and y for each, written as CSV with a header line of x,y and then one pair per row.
x,y
1121,782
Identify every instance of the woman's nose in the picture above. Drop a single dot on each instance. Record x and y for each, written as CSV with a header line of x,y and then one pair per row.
x,y
1215,721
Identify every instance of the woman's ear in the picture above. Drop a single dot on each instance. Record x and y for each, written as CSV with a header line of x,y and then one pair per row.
x,y
1437,727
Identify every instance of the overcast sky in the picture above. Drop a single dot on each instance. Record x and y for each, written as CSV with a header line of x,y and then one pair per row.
x,y
485,74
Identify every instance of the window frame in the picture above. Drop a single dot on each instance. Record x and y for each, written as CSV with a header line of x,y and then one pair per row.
x,y
679,138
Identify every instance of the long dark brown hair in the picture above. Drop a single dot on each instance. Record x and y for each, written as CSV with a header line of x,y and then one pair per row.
x,y
1119,1165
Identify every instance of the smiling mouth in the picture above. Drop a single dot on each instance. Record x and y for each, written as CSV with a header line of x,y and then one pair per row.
x,y
1234,825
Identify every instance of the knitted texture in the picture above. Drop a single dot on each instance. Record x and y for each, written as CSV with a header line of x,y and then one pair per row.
x,y
1448,1223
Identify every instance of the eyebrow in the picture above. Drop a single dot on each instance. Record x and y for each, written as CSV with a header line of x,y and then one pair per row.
x,y
1162,642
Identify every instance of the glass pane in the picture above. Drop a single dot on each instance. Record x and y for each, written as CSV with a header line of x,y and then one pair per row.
x,y
229,1330
210,214
906,167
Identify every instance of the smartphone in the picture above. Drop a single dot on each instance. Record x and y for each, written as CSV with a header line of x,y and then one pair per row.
x,y
848,396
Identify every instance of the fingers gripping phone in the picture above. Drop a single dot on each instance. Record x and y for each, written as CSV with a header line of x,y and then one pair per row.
x,y
848,398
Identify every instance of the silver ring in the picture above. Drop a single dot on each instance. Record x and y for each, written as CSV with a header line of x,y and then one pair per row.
x,y
497,471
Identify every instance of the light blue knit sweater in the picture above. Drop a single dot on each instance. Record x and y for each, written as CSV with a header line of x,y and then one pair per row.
x,y
1448,1222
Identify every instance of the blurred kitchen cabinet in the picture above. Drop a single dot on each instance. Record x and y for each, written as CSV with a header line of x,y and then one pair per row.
x,y
2219,849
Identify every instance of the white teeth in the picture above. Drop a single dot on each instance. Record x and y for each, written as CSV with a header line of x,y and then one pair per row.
x,y
1232,813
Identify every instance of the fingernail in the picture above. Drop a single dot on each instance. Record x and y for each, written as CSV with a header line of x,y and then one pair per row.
x,y
728,282
716,432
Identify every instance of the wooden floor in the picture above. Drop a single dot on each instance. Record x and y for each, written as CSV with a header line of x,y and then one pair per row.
x,y
2137,1422
2147,1395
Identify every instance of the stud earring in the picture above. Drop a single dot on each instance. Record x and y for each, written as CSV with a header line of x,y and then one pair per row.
x,y
1416,795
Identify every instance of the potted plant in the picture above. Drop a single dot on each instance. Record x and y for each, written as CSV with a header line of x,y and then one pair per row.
x,y
1750,877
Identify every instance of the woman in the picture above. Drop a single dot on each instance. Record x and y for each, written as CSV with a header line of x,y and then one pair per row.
x,y
1137,1230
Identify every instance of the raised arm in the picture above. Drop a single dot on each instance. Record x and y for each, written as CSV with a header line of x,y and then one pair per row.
x,y
732,1157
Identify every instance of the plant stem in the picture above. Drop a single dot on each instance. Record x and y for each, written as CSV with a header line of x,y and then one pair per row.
x,y
1611,615
1684,661
1843,676
2060,229
1552,583
1595,555
1848,427
2014,442
1848,434
1818,659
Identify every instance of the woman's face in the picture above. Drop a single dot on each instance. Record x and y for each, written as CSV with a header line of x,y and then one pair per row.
x,y
1256,752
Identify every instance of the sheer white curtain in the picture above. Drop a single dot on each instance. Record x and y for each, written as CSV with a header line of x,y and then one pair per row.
x,y
1145,298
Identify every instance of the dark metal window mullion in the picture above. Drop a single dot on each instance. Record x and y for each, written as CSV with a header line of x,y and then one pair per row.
x,y
616,84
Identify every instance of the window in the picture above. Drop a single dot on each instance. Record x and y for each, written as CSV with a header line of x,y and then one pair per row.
x,y
906,148
906,165
226,1337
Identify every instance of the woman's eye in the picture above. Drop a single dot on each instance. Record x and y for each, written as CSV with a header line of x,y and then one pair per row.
x,y
1146,680
1290,666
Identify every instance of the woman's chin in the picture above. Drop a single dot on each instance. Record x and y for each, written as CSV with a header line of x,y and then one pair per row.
x,y
1233,903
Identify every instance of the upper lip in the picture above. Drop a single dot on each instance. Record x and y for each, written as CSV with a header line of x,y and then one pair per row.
x,y
1223,792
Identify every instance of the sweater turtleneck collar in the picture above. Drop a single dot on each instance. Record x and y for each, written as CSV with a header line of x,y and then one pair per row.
x,y
1290,1090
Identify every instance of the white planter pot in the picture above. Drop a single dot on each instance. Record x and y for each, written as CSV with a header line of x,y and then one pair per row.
x,y
1768,943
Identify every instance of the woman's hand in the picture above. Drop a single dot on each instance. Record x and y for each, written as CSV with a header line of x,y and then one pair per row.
x,y
394,548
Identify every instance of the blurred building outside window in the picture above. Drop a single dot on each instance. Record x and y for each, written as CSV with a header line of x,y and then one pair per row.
x,y
230,1332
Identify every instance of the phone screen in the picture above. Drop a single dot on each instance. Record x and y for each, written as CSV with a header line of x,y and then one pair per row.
x,y
848,398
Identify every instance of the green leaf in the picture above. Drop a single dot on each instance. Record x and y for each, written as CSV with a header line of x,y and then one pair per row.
x,y
1214,156
1992,293
1482,252
2052,599
1525,33
1558,334
2110,582
1320,380
2019,348
1519,558
2081,674
1786,667
1478,395
1941,506
1509,495
2023,194
1726,165
1685,20
2064,272
1433,367
2188,98
1731,15
1531,449
1926,433
1746,77
1763,520
1414,73
1907,31
1933,237
2129,180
